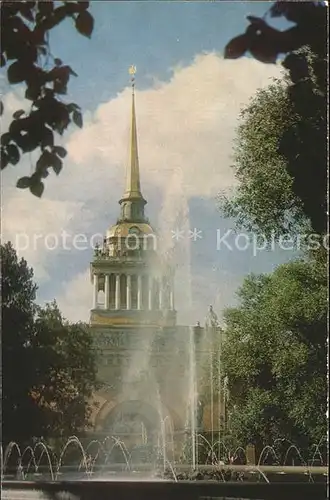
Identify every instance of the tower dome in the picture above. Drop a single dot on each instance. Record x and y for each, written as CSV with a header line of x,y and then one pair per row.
x,y
125,229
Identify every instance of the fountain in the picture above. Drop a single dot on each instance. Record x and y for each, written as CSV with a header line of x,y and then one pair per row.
x,y
192,395
27,463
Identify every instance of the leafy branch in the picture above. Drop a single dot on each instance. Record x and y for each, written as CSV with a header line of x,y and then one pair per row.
x,y
25,53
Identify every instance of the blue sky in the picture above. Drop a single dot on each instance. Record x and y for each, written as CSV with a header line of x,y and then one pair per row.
x,y
188,102
154,35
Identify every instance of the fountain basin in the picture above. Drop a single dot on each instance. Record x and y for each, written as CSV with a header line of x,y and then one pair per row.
x,y
162,490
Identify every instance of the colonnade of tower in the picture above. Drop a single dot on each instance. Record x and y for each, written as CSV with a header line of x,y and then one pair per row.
x,y
132,291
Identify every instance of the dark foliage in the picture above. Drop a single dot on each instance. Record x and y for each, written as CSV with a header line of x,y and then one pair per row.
x,y
266,44
26,55
275,357
48,364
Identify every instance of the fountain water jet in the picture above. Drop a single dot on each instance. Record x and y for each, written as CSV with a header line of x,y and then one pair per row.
x,y
168,466
192,394
294,447
75,441
267,449
32,459
123,448
12,446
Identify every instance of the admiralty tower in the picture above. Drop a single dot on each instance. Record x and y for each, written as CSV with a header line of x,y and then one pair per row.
x,y
143,355
133,317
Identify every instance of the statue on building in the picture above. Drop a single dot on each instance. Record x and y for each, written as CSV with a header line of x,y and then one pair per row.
x,y
211,319
97,250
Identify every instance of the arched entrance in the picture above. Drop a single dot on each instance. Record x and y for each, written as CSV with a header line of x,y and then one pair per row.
x,y
136,424
130,416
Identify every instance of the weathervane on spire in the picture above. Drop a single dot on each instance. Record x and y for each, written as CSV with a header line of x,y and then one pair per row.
x,y
132,71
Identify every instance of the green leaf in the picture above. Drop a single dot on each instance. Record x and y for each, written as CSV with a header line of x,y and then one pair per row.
x,y
237,47
60,87
16,73
85,23
44,174
18,114
23,182
82,5
77,118
73,107
5,139
263,51
32,92
47,138
55,18
73,72
46,8
56,164
37,188
13,154
43,162
60,151
4,158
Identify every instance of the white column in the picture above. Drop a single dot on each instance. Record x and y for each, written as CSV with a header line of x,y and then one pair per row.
x,y
95,290
161,294
117,305
139,291
150,280
107,292
129,291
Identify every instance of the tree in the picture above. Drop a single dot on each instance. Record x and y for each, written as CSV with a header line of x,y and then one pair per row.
x,y
266,43
302,146
49,369
18,310
26,53
264,200
280,162
275,352
275,356
69,372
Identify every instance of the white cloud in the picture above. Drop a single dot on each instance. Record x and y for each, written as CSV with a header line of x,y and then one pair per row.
x,y
36,227
13,100
185,126
76,299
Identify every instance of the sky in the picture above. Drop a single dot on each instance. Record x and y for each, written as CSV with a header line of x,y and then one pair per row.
x,y
188,100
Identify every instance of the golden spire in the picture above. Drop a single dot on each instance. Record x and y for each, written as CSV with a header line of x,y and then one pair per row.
x,y
133,188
